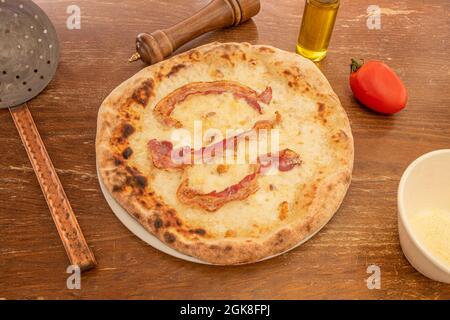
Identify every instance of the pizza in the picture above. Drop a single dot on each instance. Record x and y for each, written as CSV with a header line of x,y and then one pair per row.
x,y
230,152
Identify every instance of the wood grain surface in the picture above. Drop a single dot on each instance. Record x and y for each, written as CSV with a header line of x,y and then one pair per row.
x,y
413,39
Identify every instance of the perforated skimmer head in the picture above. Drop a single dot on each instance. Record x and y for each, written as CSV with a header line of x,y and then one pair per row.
x,y
29,51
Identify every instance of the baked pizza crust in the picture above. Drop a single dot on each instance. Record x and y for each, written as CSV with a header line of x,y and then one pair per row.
x,y
315,202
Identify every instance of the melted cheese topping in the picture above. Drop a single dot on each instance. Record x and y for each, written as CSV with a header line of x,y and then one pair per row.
x,y
215,111
259,212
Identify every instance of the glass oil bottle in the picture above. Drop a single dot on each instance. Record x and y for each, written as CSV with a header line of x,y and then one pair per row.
x,y
318,21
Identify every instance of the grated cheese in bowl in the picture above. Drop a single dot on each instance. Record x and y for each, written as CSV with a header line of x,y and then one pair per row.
x,y
432,228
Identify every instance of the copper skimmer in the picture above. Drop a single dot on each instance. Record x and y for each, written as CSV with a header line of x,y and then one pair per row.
x,y
29,53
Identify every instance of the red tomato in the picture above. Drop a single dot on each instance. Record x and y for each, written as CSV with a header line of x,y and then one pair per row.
x,y
378,87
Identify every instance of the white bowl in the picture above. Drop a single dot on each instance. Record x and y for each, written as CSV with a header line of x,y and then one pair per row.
x,y
425,185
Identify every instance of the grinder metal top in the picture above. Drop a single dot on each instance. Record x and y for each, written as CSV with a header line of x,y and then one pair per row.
x,y
29,51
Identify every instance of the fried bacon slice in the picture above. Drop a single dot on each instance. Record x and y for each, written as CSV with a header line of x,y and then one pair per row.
x,y
161,151
286,160
165,107
213,201
161,154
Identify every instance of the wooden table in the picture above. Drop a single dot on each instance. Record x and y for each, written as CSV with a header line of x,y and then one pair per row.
x,y
413,39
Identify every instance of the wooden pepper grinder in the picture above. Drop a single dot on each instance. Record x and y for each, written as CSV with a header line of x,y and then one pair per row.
x,y
158,45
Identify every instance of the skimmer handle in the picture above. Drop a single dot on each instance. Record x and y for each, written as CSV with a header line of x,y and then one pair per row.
x,y
76,247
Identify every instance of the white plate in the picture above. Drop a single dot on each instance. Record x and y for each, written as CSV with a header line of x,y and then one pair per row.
x,y
135,227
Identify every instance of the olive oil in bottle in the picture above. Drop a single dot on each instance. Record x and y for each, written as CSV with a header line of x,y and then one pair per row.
x,y
317,25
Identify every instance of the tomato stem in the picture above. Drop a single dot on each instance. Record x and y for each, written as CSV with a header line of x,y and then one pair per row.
x,y
355,65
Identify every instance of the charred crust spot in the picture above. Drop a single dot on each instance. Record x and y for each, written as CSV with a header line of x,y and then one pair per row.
x,y
127,153
194,55
139,180
117,161
322,113
293,77
143,93
320,106
169,237
158,223
199,231
143,202
117,188
127,130
175,69
170,217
